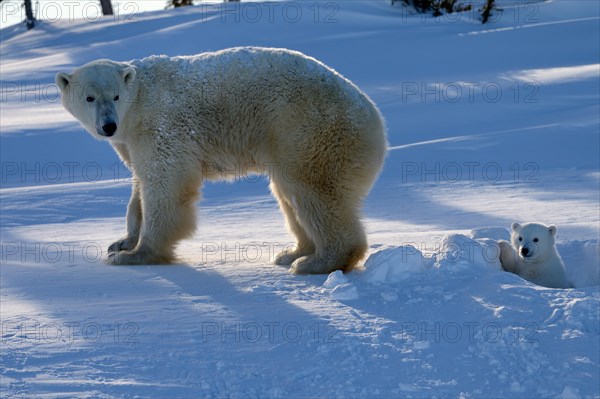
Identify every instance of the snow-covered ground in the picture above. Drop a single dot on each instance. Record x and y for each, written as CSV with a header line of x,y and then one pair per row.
x,y
488,124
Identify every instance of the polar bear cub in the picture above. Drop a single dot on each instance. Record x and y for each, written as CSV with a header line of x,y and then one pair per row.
x,y
179,121
533,255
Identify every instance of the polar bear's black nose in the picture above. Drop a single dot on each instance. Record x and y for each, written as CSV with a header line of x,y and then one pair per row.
x,y
110,128
524,251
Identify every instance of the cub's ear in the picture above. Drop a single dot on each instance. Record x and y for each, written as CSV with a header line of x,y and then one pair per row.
x,y
63,80
552,229
128,75
515,226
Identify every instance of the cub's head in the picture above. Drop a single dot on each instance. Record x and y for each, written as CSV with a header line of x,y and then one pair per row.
x,y
533,241
99,94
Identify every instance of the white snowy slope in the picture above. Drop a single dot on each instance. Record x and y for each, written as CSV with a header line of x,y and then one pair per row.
x,y
488,124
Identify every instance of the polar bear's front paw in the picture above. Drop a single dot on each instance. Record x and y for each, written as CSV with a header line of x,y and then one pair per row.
x,y
124,244
504,245
508,256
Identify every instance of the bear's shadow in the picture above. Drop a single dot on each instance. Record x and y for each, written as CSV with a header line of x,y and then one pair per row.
x,y
259,303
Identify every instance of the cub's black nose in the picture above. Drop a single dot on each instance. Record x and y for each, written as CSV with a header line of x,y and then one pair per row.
x,y
524,251
110,128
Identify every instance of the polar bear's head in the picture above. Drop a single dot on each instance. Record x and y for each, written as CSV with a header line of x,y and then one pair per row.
x,y
99,94
533,241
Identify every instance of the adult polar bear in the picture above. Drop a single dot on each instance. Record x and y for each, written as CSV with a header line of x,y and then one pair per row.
x,y
178,121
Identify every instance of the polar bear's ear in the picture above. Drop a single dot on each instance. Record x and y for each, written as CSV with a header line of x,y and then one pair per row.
x,y
62,80
552,229
515,226
128,75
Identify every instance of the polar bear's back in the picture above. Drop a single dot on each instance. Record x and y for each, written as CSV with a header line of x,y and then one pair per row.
x,y
264,102
267,73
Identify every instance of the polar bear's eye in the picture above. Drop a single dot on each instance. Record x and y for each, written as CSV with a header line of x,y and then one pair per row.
x,y
520,238
90,99
116,98
535,240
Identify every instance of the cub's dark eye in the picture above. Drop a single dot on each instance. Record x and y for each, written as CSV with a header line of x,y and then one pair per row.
x,y
90,99
116,98
520,238
535,240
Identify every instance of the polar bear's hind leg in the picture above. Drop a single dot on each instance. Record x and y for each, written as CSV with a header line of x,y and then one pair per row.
x,y
304,245
333,225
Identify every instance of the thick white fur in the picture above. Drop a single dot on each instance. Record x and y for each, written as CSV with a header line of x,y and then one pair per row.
x,y
533,255
183,120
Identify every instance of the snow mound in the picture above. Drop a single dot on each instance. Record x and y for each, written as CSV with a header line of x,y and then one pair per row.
x,y
458,253
345,292
341,288
395,264
335,279
462,254
582,261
